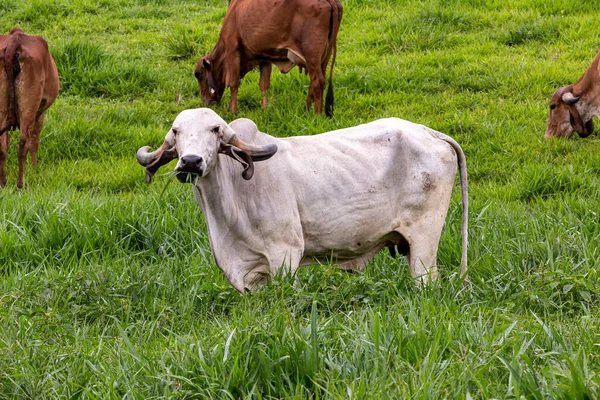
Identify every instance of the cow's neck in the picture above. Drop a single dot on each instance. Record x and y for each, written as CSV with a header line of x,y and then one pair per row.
x,y
216,195
218,56
588,87
219,199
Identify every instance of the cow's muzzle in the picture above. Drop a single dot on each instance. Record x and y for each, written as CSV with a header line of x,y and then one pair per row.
x,y
189,168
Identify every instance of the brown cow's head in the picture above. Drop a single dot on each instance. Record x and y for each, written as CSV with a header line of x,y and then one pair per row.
x,y
210,78
564,118
196,137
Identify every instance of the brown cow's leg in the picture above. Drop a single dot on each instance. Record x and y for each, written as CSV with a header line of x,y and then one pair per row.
x,y
34,140
4,143
315,90
265,81
233,100
27,128
5,137
233,79
22,153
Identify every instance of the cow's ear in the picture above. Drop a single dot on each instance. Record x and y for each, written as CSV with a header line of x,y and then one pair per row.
x,y
206,64
589,129
240,156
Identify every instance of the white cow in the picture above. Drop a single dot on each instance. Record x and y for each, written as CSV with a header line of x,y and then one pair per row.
x,y
344,194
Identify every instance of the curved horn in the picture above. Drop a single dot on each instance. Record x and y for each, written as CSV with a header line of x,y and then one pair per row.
x,y
144,156
258,153
569,99
153,160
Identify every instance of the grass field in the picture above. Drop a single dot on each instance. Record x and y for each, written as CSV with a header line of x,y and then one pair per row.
x,y
108,287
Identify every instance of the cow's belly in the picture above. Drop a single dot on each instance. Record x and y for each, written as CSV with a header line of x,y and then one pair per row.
x,y
353,249
349,229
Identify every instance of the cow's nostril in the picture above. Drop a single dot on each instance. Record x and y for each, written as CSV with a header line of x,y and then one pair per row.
x,y
191,163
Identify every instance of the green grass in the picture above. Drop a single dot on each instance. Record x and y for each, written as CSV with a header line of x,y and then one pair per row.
x,y
108,288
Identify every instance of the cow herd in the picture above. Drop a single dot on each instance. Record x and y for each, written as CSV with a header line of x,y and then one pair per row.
x,y
275,204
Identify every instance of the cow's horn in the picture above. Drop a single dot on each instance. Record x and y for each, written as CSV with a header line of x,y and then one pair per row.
x,y
258,153
144,156
569,99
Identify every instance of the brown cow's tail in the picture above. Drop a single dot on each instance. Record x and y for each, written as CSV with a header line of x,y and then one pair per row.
x,y
12,68
329,97
462,168
335,19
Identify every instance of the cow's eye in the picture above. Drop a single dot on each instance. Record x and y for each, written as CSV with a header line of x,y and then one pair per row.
x,y
553,106
216,129
175,131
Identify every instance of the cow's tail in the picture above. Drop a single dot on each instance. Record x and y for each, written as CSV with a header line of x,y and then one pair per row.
x,y
329,96
335,19
462,168
12,68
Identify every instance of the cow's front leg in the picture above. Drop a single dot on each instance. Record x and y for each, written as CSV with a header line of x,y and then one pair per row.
x,y
233,79
256,278
233,100
265,81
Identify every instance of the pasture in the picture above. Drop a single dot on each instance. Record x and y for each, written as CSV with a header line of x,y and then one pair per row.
x,y
108,288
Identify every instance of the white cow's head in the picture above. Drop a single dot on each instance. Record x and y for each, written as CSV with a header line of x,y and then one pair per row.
x,y
197,137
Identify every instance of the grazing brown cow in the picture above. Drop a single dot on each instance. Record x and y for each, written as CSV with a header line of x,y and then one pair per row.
x,y
28,86
573,107
264,32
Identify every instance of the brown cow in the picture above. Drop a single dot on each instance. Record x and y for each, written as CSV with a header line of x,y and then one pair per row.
x,y
264,32
28,86
573,107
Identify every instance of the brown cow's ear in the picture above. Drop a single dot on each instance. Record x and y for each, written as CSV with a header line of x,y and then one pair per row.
x,y
206,64
240,156
576,121
589,129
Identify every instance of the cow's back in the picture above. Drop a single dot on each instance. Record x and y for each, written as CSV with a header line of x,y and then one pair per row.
x,y
354,186
264,25
38,70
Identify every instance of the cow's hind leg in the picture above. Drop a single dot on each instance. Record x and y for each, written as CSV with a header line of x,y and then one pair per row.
x,y
34,140
423,240
29,98
28,122
5,137
4,143
265,81
315,90
27,126
422,261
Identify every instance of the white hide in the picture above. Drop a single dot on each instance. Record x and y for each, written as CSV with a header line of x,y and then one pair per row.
x,y
346,193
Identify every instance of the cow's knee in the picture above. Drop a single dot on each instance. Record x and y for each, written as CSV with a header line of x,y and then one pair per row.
x,y
23,142
256,278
